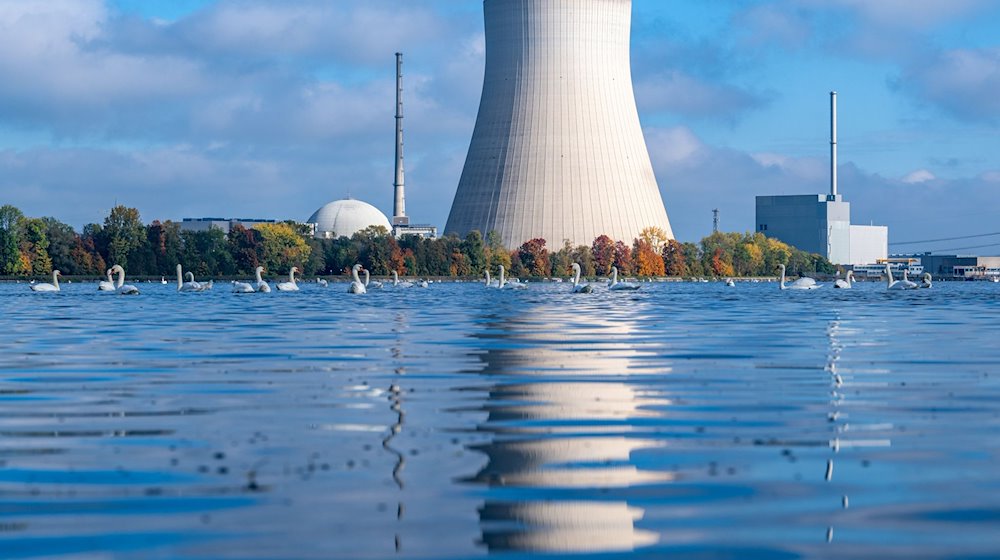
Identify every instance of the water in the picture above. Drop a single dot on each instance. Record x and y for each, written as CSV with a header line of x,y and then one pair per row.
x,y
684,420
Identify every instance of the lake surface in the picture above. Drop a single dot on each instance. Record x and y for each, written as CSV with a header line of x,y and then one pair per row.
x,y
681,421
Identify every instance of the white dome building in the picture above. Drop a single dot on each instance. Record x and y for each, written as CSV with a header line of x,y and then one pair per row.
x,y
344,218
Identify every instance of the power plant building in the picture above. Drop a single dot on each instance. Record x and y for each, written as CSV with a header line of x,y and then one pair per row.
x,y
822,223
557,151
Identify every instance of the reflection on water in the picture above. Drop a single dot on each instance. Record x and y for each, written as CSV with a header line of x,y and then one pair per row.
x,y
677,421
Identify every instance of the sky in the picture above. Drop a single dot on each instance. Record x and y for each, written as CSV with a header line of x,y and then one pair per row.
x,y
271,108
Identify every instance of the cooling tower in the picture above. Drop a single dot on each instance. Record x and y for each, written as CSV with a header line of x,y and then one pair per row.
x,y
557,151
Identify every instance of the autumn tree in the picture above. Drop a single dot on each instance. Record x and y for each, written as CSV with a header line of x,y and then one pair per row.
x,y
603,251
534,257
647,259
674,263
655,237
623,258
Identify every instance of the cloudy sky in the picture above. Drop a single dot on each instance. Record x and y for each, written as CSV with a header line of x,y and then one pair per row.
x,y
271,108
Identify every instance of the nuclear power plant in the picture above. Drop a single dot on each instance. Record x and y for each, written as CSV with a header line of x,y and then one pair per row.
x,y
557,151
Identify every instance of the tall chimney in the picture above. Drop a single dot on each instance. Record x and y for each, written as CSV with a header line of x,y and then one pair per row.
x,y
399,202
833,143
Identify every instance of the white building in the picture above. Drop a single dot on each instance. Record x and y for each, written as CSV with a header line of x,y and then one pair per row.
x,y
557,151
822,223
344,218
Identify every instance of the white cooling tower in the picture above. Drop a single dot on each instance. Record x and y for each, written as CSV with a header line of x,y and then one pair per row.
x,y
557,151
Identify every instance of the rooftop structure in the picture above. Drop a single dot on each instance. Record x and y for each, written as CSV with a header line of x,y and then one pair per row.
x,y
400,221
557,151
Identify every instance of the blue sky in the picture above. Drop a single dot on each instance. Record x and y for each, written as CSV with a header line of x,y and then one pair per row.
x,y
270,108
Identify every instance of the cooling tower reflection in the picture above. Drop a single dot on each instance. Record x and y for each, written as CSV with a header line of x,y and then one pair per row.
x,y
563,437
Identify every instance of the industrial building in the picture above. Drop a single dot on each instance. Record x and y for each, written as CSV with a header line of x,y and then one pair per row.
x,y
400,221
822,223
344,218
223,224
557,151
960,267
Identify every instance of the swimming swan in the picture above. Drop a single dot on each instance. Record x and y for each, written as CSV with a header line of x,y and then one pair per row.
x,y
43,287
243,288
579,288
120,286
183,286
397,284
927,281
107,285
374,285
258,283
845,284
503,284
616,285
891,284
289,286
356,286
910,285
803,283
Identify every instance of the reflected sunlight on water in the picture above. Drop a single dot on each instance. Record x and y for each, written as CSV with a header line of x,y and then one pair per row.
x,y
680,420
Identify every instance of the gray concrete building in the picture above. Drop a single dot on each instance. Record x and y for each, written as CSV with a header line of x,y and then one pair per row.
x,y
821,223
557,151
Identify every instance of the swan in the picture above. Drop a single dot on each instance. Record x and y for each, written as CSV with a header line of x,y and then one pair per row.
x,y
845,284
490,283
356,286
289,286
730,283
322,282
107,285
163,280
910,285
258,283
618,286
397,284
891,284
503,284
421,284
43,287
803,283
374,285
243,288
926,281
579,288
121,287
183,286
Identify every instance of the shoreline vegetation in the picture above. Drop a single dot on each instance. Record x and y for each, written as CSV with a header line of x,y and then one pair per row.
x,y
33,247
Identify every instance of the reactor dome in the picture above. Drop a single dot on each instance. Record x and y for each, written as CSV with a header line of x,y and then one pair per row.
x,y
344,218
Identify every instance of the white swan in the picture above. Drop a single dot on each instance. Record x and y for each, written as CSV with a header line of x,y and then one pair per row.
x,y
243,288
803,283
503,284
845,284
579,288
356,286
490,283
910,285
322,282
289,286
183,286
373,285
397,284
107,285
730,283
258,283
891,284
926,281
423,284
120,286
163,280
43,287
618,286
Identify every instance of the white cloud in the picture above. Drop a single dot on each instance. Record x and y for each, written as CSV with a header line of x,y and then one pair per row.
x,y
677,92
918,176
964,82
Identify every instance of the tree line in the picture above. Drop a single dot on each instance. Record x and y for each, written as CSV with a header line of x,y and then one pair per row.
x,y
34,246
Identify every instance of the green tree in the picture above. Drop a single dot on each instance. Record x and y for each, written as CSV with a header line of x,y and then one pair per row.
x,y
585,258
283,247
474,249
10,240
124,233
62,241
35,245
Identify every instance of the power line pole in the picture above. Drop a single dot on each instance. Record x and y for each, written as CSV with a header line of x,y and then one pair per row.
x,y
715,220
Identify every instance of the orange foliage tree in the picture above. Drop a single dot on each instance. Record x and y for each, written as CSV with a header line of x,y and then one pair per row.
x,y
603,251
648,261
